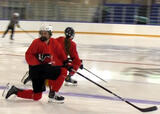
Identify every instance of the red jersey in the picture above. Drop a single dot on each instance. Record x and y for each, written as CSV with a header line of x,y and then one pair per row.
x,y
76,62
39,47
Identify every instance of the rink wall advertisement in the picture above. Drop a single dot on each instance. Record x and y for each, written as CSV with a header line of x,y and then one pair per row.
x,y
90,28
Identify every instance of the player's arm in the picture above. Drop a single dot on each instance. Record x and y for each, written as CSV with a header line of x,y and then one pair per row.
x,y
17,23
76,62
31,54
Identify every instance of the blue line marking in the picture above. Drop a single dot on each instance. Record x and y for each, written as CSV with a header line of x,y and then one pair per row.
x,y
102,97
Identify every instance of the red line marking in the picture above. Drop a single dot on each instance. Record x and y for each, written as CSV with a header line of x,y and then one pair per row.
x,y
119,62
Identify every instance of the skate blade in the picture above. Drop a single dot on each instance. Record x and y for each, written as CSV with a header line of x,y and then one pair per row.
x,y
70,84
55,101
5,90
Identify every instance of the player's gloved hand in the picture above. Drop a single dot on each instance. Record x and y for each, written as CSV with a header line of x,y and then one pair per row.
x,y
69,68
68,65
44,58
81,67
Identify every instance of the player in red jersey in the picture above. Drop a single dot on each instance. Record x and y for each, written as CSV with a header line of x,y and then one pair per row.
x,y
44,58
70,48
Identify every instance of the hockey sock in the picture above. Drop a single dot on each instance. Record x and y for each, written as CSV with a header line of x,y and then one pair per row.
x,y
29,94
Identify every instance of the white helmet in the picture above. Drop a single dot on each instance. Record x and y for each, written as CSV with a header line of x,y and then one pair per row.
x,y
48,28
16,14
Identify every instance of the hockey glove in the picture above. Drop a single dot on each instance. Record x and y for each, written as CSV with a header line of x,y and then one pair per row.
x,y
81,67
68,65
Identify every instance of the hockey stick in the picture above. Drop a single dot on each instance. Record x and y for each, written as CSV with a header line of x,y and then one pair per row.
x,y
24,77
27,33
94,74
153,108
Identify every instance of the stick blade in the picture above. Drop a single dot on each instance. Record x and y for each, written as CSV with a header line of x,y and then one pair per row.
x,y
153,108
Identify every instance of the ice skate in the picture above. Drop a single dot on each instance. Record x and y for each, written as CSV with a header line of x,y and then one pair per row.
x,y
9,90
54,98
11,39
70,82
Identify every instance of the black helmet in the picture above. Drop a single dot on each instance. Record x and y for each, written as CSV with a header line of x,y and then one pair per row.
x,y
69,32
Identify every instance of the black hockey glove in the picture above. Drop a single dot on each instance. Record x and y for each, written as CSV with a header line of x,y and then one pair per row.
x,y
69,68
44,58
68,65
81,67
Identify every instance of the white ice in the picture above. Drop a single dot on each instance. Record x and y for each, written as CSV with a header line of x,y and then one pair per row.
x,y
131,70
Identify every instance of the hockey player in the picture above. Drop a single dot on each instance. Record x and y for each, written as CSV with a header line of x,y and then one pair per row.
x,y
42,56
69,46
12,24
